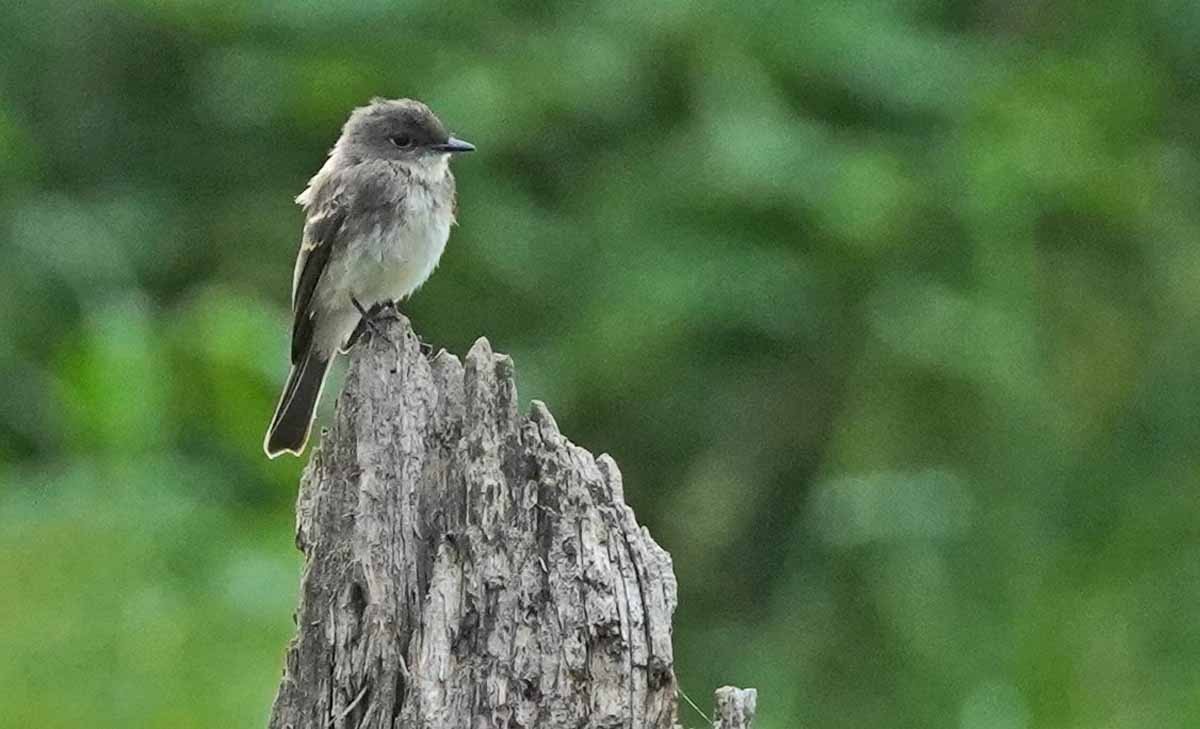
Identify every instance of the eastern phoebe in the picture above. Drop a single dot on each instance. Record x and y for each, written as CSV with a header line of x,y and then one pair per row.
x,y
376,219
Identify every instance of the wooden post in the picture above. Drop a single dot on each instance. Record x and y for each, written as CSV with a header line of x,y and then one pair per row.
x,y
468,566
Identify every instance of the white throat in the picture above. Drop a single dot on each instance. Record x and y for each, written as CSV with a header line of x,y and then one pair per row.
x,y
429,169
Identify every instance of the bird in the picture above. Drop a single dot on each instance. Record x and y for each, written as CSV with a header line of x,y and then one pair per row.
x,y
377,216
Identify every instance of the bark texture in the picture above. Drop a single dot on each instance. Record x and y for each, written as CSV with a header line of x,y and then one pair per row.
x,y
468,566
734,708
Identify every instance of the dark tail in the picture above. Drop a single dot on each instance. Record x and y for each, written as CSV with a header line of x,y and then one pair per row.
x,y
294,414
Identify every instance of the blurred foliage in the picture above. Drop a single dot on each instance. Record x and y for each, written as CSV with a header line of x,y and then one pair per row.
x,y
888,310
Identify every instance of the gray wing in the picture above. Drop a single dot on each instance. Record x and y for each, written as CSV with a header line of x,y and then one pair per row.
x,y
320,234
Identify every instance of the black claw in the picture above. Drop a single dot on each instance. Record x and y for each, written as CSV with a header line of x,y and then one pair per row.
x,y
369,323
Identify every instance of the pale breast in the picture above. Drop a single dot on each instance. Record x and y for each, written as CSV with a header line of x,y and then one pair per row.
x,y
391,241
393,260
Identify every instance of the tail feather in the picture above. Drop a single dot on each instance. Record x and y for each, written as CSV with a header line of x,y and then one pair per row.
x,y
294,414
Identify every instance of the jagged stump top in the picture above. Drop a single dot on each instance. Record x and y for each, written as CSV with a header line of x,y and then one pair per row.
x,y
468,566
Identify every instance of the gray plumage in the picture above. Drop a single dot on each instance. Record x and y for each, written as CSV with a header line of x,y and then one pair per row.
x,y
377,217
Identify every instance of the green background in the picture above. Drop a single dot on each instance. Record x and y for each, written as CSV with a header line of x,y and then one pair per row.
x,y
888,311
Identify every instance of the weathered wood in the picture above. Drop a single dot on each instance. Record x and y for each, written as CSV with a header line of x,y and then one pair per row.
x,y
734,708
468,566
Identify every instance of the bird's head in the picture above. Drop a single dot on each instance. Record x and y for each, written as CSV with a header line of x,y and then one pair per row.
x,y
398,129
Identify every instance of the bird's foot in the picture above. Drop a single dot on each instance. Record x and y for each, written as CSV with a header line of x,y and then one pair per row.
x,y
371,321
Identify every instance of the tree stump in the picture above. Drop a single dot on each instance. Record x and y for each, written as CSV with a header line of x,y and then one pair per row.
x,y
468,566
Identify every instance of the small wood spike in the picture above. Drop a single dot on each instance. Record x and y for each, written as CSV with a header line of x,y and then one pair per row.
x,y
734,708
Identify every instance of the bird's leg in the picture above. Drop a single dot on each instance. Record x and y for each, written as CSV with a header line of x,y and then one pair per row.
x,y
369,322
383,311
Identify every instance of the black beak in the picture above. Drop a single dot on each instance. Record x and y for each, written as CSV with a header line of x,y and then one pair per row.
x,y
454,144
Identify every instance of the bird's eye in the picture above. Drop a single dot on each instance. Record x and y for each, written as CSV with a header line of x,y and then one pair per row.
x,y
403,141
